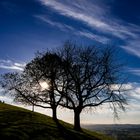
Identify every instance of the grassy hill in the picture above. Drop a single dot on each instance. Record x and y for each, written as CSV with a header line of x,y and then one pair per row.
x,y
20,124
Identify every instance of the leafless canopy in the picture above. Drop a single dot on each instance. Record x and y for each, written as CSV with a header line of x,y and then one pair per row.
x,y
78,78
92,78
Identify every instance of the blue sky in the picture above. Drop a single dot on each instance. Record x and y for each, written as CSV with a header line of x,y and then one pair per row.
x,y
30,25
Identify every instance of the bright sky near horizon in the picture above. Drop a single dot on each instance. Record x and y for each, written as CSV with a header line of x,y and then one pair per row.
x,y
27,26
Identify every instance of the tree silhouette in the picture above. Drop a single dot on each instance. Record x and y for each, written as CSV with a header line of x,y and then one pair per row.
x,y
45,68
27,87
92,79
78,78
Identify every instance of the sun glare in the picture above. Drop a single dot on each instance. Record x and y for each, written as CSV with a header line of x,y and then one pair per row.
x,y
44,85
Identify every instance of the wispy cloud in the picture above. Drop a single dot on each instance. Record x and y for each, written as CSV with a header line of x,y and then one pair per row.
x,y
135,71
8,64
97,38
6,99
98,17
93,16
133,94
134,97
133,47
61,26
82,32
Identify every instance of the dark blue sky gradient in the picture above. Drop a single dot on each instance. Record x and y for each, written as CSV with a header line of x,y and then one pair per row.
x,y
128,10
22,33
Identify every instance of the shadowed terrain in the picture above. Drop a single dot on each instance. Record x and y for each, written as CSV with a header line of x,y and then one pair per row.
x,y
20,124
118,131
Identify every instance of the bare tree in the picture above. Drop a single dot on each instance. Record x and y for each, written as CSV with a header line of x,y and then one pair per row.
x,y
77,77
35,85
91,79
44,72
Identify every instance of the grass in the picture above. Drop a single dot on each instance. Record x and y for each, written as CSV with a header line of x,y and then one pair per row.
x,y
20,124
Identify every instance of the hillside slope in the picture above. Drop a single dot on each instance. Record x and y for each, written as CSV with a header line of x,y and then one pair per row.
x,y
20,124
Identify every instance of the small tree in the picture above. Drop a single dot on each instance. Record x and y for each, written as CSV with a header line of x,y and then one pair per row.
x,y
28,86
45,68
91,79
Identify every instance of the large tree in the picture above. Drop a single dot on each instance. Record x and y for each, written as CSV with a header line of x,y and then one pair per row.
x,y
92,78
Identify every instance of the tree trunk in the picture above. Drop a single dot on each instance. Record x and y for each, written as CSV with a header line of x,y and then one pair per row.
x,y
54,114
77,126
33,108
